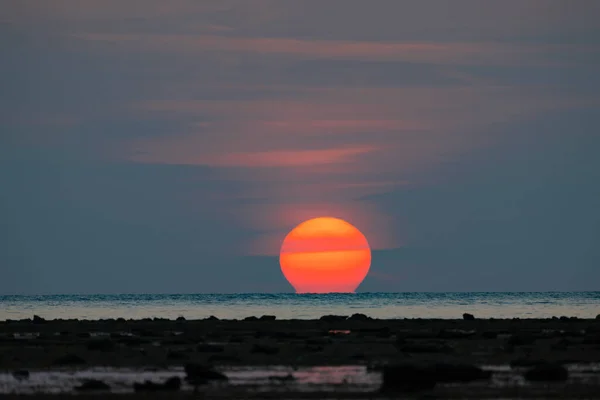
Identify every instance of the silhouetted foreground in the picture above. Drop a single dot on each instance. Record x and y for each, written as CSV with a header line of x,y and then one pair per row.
x,y
557,358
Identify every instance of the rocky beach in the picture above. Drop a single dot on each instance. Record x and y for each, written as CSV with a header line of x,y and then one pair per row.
x,y
331,357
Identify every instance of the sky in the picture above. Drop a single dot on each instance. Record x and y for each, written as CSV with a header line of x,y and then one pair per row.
x,y
168,147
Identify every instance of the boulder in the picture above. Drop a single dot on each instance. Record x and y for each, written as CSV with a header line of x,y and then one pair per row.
x,y
200,374
92,385
170,385
359,317
69,359
268,318
180,319
333,318
414,377
212,318
38,320
468,317
598,317
251,318
547,372
21,374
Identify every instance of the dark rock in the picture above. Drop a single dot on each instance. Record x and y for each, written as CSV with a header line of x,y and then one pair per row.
x,y
21,374
468,317
525,362
333,318
180,319
547,372
264,349
406,378
209,348
426,347
286,378
176,355
598,316
69,359
268,318
251,318
92,385
223,358
200,374
121,320
563,318
521,340
170,385
38,320
100,345
212,318
455,334
458,373
359,317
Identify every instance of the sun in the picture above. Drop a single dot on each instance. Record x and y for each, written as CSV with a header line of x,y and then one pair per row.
x,y
325,255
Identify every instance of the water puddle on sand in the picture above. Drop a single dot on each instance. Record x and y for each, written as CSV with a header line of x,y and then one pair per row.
x,y
262,379
339,378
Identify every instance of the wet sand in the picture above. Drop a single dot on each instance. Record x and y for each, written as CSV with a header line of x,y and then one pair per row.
x,y
59,344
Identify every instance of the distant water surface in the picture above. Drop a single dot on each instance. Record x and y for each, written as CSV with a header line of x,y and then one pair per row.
x,y
306,306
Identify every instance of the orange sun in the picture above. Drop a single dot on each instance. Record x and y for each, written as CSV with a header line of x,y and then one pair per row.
x,y
324,255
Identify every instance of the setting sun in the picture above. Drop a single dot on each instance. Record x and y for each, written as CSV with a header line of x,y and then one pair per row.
x,y
324,255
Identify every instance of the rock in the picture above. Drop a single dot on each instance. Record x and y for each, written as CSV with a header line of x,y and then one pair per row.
x,y
21,374
251,318
547,372
100,345
426,347
209,348
406,378
521,340
180,319
212,318
38,320
170,385
69,359
563,318
267,318
458,373
121,320
598,316
176,355
455,334
200,374
92,385
359,317
264,349
333,318
468,317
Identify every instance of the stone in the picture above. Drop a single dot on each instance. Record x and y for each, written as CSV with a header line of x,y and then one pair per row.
x,y
468,317
91,385
547,372
100,345
598,317
212,318
251,318
264,349
268,318
333,318
69,359
21,374
359,317
180,319
38,320
426,347
209,348
170,385
200,374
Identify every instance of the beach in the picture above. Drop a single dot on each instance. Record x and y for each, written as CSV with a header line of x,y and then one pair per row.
x,y
363,348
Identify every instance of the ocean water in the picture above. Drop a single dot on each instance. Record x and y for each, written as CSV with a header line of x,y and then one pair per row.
x,y
304,306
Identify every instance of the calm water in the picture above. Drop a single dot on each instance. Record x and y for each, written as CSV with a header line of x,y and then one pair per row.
x,y
287,306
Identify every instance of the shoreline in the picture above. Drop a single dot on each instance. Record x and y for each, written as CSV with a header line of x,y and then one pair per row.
x,y
263,342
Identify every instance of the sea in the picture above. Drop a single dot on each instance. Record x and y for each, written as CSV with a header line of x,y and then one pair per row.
x,y
303,306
